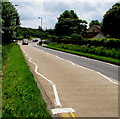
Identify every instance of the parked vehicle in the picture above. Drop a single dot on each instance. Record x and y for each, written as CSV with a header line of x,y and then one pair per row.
x,y
25,42
39,43
35,40
45,41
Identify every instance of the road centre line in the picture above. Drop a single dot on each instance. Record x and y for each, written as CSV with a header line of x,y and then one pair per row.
x,y
71,62
59,57
108,79
57,101
88,68
93,60
97,72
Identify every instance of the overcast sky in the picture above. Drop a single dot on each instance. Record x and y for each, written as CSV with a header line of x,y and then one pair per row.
x,y
30,10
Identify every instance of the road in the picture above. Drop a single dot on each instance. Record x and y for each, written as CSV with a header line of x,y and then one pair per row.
x,y
102,67
70,85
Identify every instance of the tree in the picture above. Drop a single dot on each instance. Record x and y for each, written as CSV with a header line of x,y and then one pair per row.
x,y
94,22
69,23
111,21
10,22
40,28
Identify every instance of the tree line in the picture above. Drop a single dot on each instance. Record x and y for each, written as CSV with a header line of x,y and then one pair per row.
x,y
10,22
68,24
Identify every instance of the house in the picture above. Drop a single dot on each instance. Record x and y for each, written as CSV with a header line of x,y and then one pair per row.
x,y
99,35
93,32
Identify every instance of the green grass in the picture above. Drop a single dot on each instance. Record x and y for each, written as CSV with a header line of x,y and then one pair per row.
x,y
0,80
67,48
20,94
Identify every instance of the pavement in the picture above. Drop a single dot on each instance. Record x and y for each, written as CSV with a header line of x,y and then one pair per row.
x,y
69,86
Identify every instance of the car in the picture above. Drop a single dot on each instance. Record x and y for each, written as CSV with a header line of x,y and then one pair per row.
x,y
35,40
39,43
25,42
46,42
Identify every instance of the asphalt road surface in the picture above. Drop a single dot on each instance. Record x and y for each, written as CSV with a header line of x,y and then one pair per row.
x,y
89,93
102,67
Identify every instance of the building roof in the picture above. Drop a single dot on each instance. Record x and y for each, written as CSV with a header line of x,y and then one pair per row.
x,y
94,26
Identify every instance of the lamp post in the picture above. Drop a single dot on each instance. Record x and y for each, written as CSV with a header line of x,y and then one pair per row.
x,y
40,43
41,21
15,5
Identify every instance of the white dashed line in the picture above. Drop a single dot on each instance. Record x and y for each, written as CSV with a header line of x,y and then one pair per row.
x,y
72,63
108,79
88,68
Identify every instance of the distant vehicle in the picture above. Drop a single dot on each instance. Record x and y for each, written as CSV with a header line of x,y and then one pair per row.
x,y
45,41
25,42
35,40
39,43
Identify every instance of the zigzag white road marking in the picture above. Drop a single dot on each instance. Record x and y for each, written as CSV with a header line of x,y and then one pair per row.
x,y
57,100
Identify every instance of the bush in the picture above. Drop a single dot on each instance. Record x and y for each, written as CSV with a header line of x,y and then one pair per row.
x,y
100,50
76,37
105,42
53,38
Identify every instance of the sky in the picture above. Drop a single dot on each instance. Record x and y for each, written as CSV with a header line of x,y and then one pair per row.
x,y
50,10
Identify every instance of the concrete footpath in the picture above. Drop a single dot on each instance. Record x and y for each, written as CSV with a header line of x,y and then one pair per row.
x,y
71,86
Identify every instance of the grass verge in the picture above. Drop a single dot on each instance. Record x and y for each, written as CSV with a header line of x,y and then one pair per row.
x,y
20,94
102,58
0,80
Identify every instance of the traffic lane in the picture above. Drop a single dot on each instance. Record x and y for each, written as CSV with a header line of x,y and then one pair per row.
x,y
87,92
102,67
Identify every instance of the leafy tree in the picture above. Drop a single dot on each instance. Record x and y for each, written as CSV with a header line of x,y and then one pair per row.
x,y
10,22
40,28
111,21
50,31
0,26
94,22
69,23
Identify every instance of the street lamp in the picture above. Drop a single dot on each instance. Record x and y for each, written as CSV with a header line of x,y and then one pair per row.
x,y
40,43
41,21
15,5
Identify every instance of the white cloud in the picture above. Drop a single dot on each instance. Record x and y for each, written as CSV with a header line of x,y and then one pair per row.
x,y
72,1
49,11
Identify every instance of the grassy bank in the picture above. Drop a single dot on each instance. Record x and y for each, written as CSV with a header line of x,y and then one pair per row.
x,y
0,81
21,96
99,53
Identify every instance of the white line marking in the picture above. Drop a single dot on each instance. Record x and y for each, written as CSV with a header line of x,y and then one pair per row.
x,y
88,68
71,62
57,101
59,57
91,59
26,55
82,67
62,110
56,95
108,79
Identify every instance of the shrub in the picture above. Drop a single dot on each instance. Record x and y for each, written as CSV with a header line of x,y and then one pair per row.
x,y
76,37
100,50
